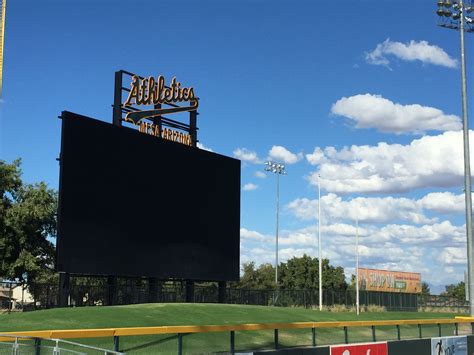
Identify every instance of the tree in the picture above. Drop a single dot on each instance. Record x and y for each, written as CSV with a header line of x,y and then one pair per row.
x,y
425,289
27,227
303,273
300,273
296,273
261,278
455,290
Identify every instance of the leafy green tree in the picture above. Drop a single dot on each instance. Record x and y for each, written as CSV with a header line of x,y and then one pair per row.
x,y
296,273
27,227
303,273
425,289
300,273
261,278
455,290
352,285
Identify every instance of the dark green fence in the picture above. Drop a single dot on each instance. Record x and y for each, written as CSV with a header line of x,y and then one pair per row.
x,y
133,292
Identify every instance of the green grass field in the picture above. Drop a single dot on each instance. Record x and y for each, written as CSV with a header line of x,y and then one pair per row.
x,y
210,314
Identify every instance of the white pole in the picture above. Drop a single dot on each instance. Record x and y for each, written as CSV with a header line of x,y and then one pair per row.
x,y
467,166
357,266
277,223
319,247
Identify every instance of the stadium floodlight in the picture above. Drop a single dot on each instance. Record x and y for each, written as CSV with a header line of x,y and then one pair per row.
x,y
278,169
320,271
357,266
463,23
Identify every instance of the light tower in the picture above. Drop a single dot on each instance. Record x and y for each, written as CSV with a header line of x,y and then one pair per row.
x,y
278,169
453,14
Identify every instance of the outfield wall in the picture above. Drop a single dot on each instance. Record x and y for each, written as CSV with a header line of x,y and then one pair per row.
x,y
455,345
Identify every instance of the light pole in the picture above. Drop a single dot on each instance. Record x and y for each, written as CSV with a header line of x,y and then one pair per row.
x,y
457,19
319,247
357,266
278,169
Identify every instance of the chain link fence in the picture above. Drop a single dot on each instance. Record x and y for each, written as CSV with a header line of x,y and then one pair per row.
x,y
132,291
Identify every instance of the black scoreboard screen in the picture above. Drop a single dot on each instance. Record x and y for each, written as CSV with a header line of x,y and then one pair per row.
x,y
131,204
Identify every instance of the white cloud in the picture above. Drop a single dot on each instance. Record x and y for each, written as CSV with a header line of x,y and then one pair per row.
x,y
283,155
444,202
316,157
430,161
439,234
374,111
203,147
411,51
339,234
365,209
429,249
248,234
451,255
250,187
246,155
260,175
378,209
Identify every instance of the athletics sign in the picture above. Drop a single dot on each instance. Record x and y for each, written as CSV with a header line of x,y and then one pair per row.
x,y
360,349
149,99
153,92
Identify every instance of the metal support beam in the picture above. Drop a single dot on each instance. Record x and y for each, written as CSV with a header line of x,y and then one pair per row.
x,y
346,336
189,291
117,107
64,289
152,290
232,341
111,290
37,346
276,338
222,292
116,343
180,344
193,127
313,330
373,333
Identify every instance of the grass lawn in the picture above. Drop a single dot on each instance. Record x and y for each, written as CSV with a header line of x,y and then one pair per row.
x,y
211,314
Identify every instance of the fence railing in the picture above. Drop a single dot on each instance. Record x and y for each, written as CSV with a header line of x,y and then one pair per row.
x,y
46,296
116,333
20,344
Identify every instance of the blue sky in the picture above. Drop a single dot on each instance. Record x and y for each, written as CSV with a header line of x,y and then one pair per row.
x,y
293,81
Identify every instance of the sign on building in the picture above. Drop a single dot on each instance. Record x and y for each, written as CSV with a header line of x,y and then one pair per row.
x,y
389,281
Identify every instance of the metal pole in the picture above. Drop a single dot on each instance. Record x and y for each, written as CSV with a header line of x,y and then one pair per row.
x,y
319,247
277,222
357,266
467,166
278,169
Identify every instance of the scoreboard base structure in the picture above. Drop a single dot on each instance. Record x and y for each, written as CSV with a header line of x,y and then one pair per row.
x,y
458,345
153,286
